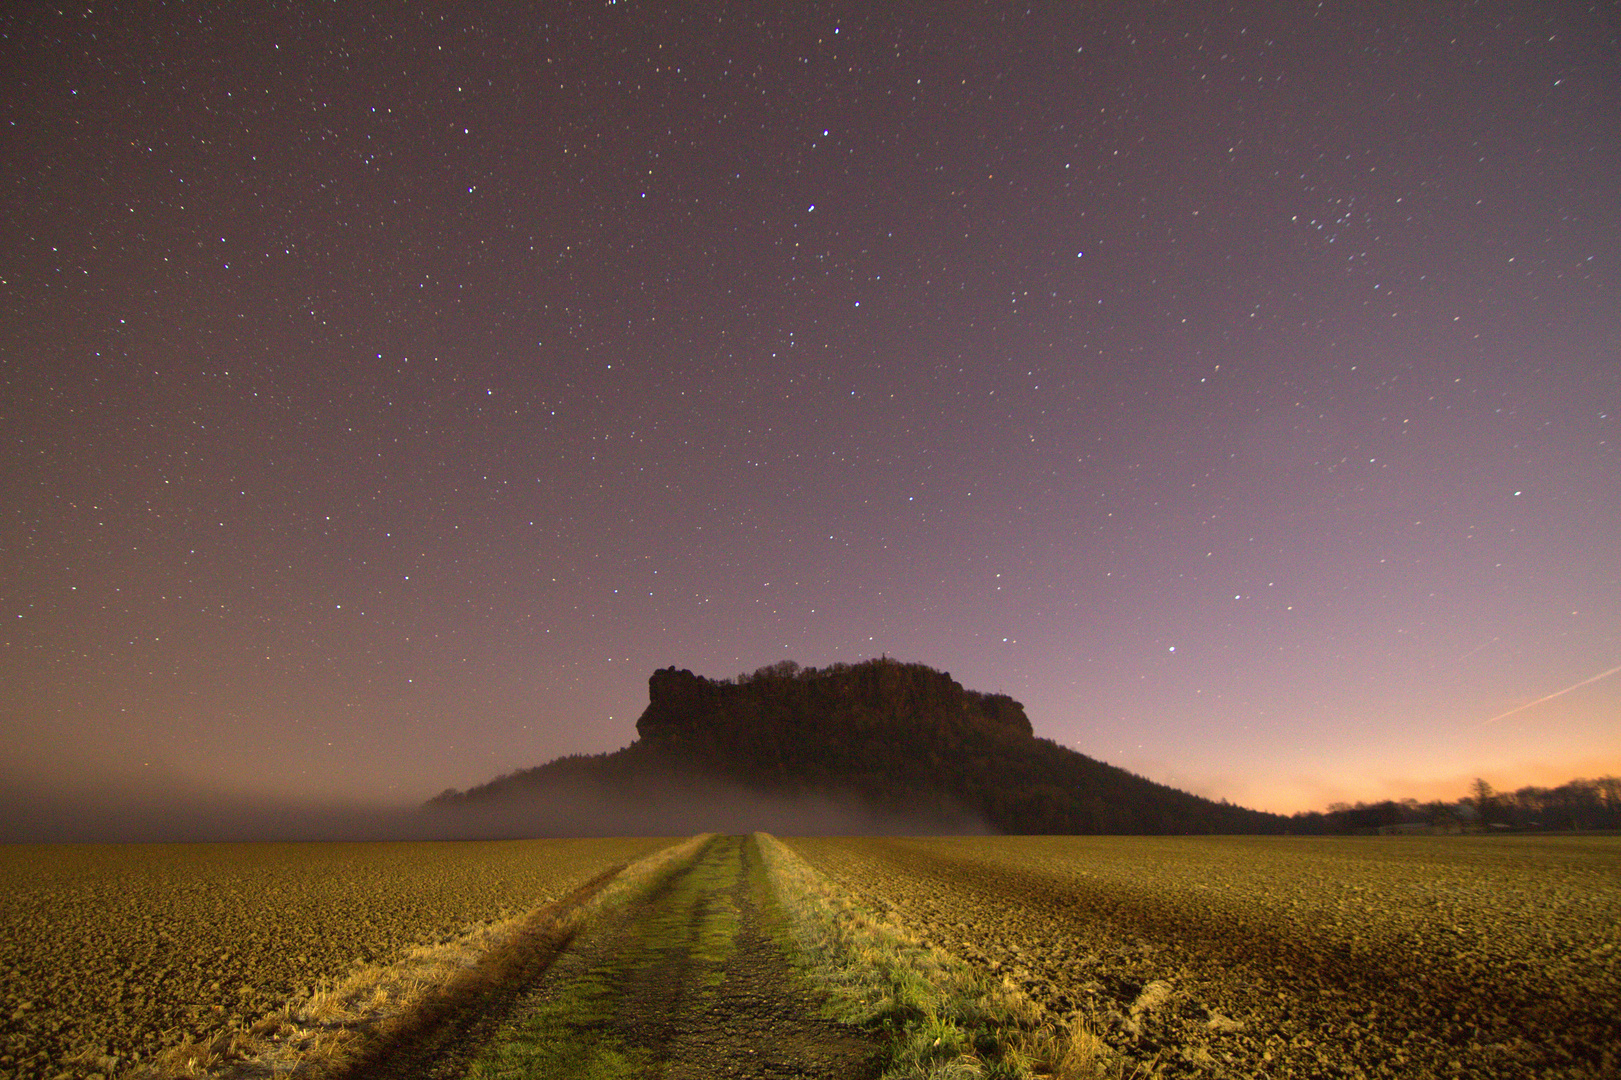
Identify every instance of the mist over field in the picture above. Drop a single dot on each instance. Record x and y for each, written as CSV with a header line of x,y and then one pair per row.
x,y
171,810
679,808
167,807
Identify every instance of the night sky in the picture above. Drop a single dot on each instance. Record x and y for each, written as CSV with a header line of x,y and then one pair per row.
x,y
388,391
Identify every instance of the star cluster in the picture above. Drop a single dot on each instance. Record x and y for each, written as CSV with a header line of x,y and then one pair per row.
x,y
389,390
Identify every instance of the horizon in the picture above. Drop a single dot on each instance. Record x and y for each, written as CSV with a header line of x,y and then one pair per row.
x,y
37,781
170,805
391,391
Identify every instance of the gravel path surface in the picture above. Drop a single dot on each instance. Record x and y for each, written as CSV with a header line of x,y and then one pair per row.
x,y
1277,957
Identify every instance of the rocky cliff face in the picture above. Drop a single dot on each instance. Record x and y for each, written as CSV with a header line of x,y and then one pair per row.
x,y
787,716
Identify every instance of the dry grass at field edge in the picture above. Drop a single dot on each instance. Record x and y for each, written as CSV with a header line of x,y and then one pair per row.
x,y
943,1019
415,1036
465,1011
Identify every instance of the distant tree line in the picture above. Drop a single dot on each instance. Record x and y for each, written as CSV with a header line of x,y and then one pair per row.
x,y
1579,804
790,669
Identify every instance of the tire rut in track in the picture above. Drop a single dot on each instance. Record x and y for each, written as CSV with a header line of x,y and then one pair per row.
x,y
439,1040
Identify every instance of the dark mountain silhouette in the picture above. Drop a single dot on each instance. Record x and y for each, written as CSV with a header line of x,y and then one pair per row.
x,y
901,743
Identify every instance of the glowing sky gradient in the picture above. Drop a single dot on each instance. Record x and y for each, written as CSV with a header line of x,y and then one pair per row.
x,y
387,392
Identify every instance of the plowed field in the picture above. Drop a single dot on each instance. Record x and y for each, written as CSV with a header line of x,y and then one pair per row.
x,y
113,952
1483,957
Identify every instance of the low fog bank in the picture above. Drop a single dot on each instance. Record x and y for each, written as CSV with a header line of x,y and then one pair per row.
x,y
121,811
127,813
684,807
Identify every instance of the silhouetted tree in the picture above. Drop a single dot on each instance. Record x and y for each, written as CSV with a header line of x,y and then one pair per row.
x,y
1485,802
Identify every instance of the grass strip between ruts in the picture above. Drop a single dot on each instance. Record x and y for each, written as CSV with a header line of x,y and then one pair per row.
x,y
943,1019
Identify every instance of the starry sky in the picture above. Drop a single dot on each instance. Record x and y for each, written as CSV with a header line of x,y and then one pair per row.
x,y
388,390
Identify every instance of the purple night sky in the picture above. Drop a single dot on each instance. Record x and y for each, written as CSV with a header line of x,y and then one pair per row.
x,y
388,391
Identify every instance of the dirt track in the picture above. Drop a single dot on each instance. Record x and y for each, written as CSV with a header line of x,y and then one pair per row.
x,y
1445,957
688,981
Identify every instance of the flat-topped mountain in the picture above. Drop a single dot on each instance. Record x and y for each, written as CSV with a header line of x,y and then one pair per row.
x,y
897,741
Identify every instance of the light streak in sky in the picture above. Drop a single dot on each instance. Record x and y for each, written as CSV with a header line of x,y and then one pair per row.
x,y
1556,693
1476,649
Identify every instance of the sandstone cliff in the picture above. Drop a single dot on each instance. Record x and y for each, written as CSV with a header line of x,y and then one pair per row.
x,y
787,714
